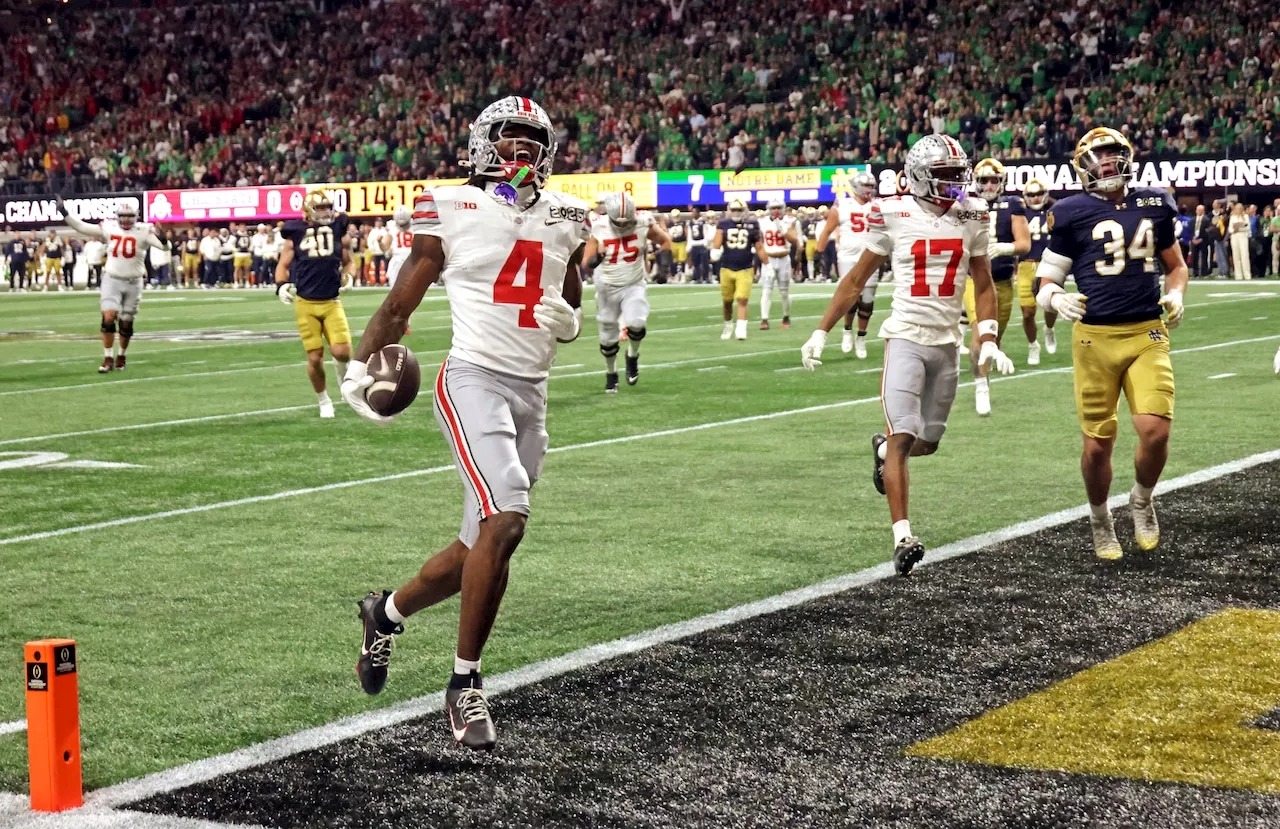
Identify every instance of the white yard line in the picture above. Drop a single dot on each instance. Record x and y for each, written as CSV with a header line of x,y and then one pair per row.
x,y
13,727
1222,376
179,422
713,368
15,813
271,750
107,384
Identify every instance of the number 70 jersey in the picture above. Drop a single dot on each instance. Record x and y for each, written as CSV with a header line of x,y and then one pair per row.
x,y
930,254
499,261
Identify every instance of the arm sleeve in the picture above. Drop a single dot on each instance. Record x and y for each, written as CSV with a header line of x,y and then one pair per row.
x,y
93,231
426,216
878,231
1060,247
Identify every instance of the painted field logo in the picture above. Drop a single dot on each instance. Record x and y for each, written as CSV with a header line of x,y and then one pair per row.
x,y
54,460
1193,707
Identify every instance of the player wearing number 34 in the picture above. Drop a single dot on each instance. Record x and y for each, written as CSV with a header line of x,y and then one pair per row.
x,y
509,251
1111,236
936,237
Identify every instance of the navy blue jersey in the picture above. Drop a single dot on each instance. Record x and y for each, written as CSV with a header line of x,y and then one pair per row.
x,y
317,257
244,243
676,231
1003,210
1114,248
697,229
739,244
18,253
1038,227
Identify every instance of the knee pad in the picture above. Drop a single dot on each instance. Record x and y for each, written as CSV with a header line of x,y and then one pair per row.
x,y
126,326
108,327
865,309
635,334
610,350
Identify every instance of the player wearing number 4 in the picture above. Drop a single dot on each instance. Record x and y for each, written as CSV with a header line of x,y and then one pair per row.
x,y
1110,237
737,243
127,242
613,255
936,238
506,246
314,268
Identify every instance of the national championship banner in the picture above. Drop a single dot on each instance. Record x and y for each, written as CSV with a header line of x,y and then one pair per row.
x,y
31,212
236,204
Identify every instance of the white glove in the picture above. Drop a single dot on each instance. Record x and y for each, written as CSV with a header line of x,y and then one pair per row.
x,y
1173,308
557,317
990,354
347,281
812,350
354,387
286,291
1069,306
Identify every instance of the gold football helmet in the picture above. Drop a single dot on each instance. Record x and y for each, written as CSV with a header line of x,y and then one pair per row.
x,y
989,179
1104,160
737,210
317,207
1036,193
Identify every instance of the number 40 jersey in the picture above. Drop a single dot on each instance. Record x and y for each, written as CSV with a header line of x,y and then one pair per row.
x,y
316,269
499,261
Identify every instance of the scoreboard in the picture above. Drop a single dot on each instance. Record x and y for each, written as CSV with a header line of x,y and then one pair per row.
x,y
791,184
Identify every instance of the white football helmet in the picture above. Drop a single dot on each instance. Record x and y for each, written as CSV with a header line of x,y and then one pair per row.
x,y
126,216
621,209
402,217
938,170
776,208
864,186
533,153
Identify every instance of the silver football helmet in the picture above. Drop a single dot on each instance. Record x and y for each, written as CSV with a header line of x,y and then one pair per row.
x,y
403,217
776,208
938,169
126,216
864,186
534,152
621,210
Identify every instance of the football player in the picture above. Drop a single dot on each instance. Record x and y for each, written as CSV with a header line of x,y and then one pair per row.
x,y
1116,239
226,259
53,261
19,253
511,252
128,242
259,244
401,241
736,248
780,236
313,269
1038,203
612,256
1010,239
848,221
242,239
697,251
678,231
937,239
379,242
190,260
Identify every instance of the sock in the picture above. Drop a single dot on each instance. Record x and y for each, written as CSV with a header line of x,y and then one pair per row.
x,y
882,451
1142,493
106,352
342,370
982,383
862,333
766,302
393,613
465,666
611,363
1100,511
633,348
322,396
901,530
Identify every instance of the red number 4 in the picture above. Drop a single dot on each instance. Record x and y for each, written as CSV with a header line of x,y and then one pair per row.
x,y
526,255
921,286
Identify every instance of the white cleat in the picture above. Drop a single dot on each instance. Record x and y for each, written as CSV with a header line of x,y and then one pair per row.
x,y
727,332
982,399
1146,529
1105,544
741,331
1033,354
964,349
1050,341
1276,363
846,342
326,409
860,348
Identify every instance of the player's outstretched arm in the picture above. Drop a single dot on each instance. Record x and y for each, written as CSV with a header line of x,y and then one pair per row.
x,y
93,231
423,267
850,288
828,227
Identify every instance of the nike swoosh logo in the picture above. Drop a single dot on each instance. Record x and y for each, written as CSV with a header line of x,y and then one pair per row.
x,y
555,221
458,735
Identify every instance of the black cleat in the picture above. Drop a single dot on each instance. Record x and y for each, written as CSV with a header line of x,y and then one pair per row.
x,y
611,382
108,364
375,650
877,476
786,322
764,325
469,712
120,362
907,555
633,369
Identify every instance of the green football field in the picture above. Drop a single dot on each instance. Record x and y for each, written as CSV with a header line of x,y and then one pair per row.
x,y
211,583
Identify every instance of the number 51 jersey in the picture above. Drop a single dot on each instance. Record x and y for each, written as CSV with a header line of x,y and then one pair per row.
x,y
930,255
499,261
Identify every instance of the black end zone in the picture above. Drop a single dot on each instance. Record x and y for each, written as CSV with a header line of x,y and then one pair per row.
x,y
801,718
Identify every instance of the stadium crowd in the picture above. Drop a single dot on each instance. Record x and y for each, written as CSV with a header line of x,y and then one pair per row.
x,y
240,93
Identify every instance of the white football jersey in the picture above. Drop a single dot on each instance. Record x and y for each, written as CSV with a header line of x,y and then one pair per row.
x,y
851,232
401,243
622,251
259,244
499,261
379,240
774,233
125,249
930,257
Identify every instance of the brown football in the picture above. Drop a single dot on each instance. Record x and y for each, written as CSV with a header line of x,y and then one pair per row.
x,y
396,378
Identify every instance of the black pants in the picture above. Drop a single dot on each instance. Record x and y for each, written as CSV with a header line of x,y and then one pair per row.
x,y
1200,259
700,261
17,274
95,276
68,274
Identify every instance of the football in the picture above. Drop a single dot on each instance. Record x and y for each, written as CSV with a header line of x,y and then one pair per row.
x,y
396,378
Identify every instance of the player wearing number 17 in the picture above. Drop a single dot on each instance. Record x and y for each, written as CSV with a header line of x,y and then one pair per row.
x,y
509,251
1110,237
936,238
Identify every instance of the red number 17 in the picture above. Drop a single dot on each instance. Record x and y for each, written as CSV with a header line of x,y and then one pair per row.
x,y
921,287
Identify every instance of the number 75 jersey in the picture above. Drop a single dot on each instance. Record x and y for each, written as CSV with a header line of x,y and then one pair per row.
x,y
499,261
930,254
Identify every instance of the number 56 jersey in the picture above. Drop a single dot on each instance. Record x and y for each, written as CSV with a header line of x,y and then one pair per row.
x,y
930,254
499,261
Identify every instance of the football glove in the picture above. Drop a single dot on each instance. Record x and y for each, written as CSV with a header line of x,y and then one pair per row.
x,y
355,386
557,317
1173,308
286,292
812,350
991,355
1069,306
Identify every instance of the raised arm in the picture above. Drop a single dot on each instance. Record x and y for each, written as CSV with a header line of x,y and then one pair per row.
x,y
93,231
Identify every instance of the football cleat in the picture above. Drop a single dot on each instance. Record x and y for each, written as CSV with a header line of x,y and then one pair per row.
x,y
119,362
1033,354
846,342
633,369
1050,341
740,332
1105,543
1276,363
764,325
375,650
611,382
326,409
964,349
108,364
877,472
1146,529
728,331
860,347
906,555
982,399
786,322
469,717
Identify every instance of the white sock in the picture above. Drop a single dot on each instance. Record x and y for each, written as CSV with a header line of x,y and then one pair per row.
x,y
463,666
1142,493
882,451
982,383
901,530
633,348
1100,511
389,608
106,352
342,370
766,301
322,396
